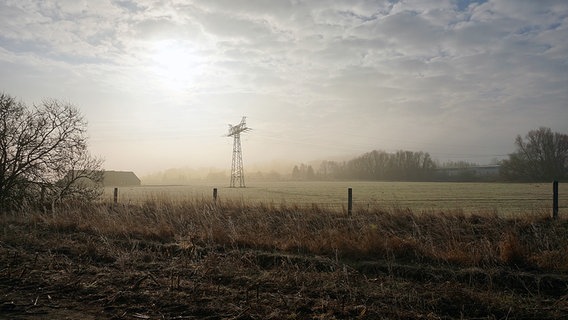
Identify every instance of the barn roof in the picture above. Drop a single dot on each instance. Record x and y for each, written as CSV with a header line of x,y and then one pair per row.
x,y
120,178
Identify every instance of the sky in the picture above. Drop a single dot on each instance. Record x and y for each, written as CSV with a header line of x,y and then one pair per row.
x,y
159,81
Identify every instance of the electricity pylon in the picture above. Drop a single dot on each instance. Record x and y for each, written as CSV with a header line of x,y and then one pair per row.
x,y
237,173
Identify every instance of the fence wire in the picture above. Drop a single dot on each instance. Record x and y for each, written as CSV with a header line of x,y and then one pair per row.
x,y
501,198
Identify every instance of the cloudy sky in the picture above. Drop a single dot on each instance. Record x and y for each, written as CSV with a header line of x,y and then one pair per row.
x,y
158,81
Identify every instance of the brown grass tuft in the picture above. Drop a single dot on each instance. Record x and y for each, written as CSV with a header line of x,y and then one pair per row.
x,y
511,251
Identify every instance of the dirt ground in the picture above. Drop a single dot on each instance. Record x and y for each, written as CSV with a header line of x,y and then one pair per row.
x,y
70,274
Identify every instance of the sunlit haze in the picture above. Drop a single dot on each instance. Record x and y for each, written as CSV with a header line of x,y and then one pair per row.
x,y
159,81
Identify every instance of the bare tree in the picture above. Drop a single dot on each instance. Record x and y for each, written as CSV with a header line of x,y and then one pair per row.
x,y
43,153
541,156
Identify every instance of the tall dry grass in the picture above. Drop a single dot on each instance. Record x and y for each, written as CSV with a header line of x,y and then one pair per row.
x,y
455,238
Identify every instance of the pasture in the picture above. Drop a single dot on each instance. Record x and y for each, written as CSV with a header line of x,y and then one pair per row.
x,y
501,198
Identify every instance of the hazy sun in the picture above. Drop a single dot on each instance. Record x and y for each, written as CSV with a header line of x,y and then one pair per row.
x,y
175,64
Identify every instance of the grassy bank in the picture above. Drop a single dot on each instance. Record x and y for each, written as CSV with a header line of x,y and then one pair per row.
x,y
479,240
231,259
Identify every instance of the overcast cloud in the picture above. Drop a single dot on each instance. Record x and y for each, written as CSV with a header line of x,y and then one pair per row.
x,y
159,81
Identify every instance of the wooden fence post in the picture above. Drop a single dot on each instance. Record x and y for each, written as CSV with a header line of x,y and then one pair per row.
x,y
214,194
555,200
115,195
349,201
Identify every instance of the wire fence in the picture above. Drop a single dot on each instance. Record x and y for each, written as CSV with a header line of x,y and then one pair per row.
x,y
418,197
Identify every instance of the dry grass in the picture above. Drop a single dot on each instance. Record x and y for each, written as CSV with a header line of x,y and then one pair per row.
x,y
235,260
480,240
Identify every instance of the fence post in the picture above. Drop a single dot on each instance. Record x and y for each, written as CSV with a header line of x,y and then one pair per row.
x,y
555,200
214,194
349,201
115,195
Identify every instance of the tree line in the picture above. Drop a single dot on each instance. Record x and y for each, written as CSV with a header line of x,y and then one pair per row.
x,y
542,156
374,165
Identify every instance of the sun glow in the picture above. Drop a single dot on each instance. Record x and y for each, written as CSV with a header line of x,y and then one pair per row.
x,y
175,64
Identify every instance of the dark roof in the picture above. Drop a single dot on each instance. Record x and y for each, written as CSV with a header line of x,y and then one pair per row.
x,y
120,178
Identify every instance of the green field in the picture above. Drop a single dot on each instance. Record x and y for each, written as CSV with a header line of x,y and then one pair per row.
x,y
502,198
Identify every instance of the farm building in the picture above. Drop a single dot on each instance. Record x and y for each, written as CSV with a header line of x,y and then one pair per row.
x,y
120,179
109,178
488,172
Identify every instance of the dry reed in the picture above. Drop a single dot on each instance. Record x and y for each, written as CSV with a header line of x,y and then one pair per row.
x,y
480,240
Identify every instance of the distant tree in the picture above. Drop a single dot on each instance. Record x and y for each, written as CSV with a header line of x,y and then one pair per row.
x,y
296,173
303,172
43,154
310,174
402,165
542,156
330,170
324,171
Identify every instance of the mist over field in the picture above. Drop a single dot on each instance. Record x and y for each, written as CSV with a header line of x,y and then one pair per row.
x,y
158,82
275,170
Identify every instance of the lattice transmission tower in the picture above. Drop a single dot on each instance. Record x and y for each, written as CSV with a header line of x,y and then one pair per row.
x,y
237,173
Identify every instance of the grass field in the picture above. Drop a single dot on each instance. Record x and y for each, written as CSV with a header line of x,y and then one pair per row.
x,y
503,198
281,251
